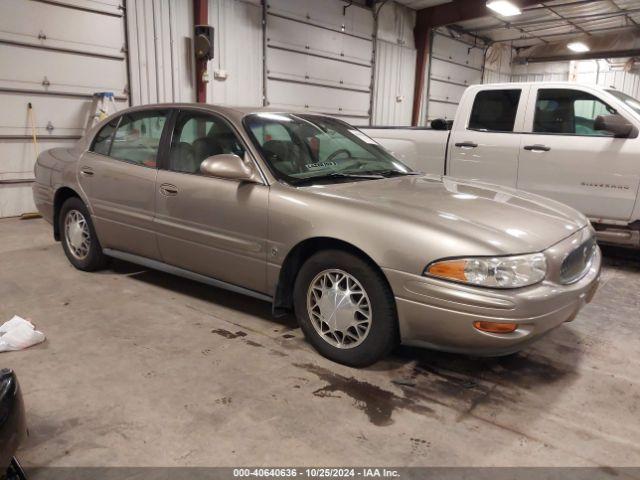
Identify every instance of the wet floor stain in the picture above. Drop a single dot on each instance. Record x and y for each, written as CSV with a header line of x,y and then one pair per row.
x,y
378,404
227,334
288,335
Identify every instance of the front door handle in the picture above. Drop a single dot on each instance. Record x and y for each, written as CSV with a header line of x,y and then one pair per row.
x,y
168,190
87,171
537,148
466,145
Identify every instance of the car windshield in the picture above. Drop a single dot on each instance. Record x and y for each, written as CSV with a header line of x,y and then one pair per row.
x,y
628,100
303,149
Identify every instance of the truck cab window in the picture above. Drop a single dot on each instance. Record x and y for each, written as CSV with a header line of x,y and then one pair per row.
x,y
569,112
495,110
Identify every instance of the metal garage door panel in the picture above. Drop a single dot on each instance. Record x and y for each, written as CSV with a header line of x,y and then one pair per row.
x,y
66,115
356,20
113,7
320,99
457,51
300,67
16,200
441,110
38,19
306,38
455,73
19,156
445,91
66,72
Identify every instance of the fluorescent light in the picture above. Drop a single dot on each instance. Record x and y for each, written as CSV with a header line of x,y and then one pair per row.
x,y
578,47
504,8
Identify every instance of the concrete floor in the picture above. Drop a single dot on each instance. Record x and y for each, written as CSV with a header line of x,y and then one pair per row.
x,y
145,369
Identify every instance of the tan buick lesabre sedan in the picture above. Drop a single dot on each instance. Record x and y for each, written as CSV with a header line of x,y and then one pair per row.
x,y
307,212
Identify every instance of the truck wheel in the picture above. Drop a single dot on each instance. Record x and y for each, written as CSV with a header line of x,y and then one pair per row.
x,y
345,308
79,239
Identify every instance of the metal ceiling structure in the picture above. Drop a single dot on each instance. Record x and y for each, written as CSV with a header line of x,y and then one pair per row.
x,y
556,21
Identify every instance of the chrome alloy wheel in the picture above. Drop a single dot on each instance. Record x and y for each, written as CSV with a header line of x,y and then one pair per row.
x,y
339,308
76,234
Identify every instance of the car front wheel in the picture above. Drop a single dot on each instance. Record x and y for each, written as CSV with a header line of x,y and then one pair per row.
x,y
78,236
345,308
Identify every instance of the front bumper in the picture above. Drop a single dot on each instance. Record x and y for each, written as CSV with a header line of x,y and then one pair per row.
x,y
439,314
13,427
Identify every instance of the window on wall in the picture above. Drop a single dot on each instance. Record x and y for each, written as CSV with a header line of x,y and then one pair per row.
x,y
495,110
138,137
569,112
198,136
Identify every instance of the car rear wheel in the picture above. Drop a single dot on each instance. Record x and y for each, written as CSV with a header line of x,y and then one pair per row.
x,y
345,308
79,239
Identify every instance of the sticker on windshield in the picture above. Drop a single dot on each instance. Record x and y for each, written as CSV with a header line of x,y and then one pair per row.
x,y
311,166
363,137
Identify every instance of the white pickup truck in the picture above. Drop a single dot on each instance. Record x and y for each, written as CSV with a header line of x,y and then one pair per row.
x,y
574,143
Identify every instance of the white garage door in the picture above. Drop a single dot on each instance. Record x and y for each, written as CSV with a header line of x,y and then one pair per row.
x,y
455,65
319,57
55,57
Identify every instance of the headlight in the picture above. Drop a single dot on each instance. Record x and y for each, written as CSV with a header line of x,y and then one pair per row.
x,y
496,272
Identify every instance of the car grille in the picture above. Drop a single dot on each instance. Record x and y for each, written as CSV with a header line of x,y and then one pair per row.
x,y
578,262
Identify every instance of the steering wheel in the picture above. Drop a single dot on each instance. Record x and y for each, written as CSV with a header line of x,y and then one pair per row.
x,y
338,152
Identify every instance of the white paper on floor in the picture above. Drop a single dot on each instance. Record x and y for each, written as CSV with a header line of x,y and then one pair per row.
x,y
18,333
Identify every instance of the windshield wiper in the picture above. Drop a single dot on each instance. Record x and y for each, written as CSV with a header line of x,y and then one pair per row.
x,y
393,173
338,175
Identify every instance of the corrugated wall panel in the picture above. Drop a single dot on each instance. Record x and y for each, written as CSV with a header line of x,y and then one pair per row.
x,y
238,53
393,98
394,66
160,51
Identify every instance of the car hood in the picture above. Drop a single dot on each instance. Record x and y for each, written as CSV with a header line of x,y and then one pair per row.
x,y
508,221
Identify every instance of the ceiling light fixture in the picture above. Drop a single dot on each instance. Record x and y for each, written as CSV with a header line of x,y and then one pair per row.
x,y
578,47
503,7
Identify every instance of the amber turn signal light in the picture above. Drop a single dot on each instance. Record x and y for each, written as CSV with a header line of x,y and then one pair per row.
x,y
495,327
451,269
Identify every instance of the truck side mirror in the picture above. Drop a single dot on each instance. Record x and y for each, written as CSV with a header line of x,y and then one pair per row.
x,y
615,124
441,124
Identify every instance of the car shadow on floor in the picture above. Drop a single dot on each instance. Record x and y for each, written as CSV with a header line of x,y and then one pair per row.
x,y
626,259
201,291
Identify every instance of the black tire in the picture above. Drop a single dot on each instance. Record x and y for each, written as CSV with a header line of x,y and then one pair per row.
x,y
95,258
383,333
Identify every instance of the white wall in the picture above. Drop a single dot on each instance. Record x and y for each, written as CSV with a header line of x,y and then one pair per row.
x,y
160,51
237,53
395,64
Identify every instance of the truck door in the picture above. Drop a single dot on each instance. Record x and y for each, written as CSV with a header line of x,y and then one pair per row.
x,y
563,157
485,145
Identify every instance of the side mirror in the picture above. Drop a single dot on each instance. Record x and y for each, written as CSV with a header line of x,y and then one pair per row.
x,y
615,124
441,124
229,166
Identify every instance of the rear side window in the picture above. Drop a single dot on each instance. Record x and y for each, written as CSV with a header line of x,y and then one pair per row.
x,y
138,137
569,112
102,141
495,110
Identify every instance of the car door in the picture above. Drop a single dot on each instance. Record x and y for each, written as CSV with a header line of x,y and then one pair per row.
x,y
563,157
212,226
486,147
118,174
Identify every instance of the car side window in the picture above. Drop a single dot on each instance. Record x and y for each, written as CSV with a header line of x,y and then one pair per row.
x,y
138,137
198,136
102,141
495,110
569,112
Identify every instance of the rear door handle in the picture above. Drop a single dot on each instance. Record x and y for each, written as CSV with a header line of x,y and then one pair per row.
x,y
87,171
466,145
168,190
537,148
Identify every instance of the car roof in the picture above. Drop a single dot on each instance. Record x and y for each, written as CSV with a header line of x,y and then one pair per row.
x,y
236,113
